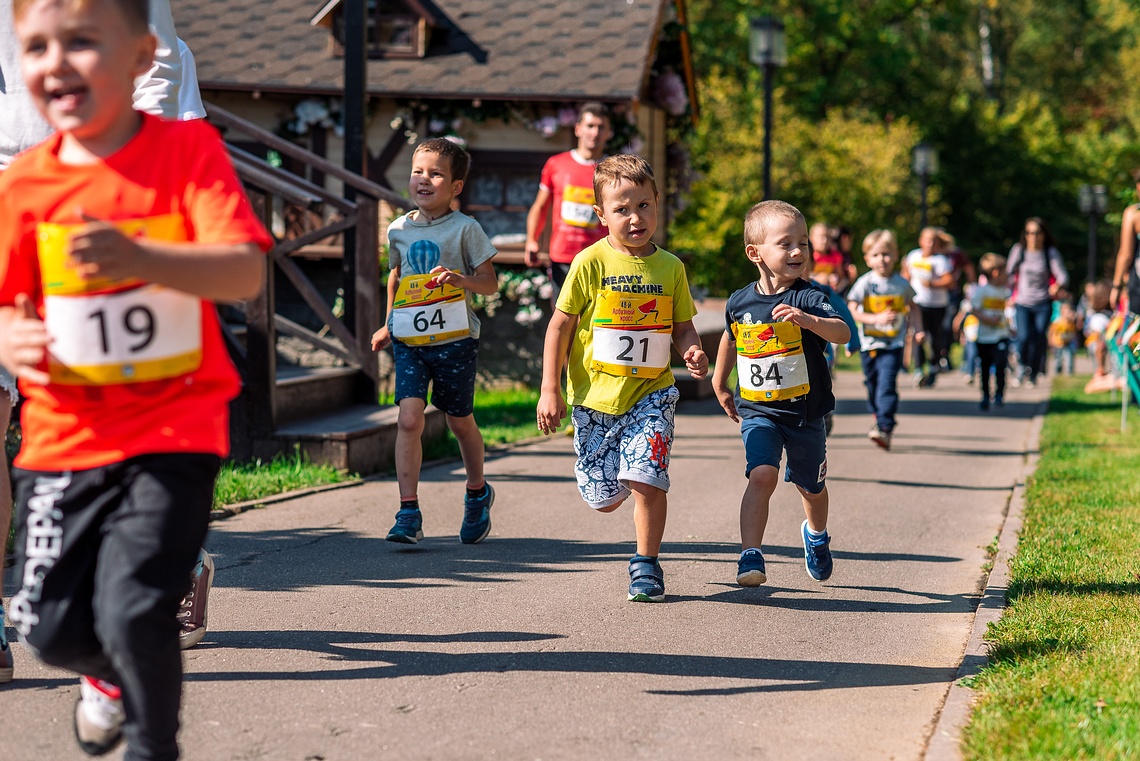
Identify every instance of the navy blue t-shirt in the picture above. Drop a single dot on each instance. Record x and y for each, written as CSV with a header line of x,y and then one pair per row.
x,y
751,307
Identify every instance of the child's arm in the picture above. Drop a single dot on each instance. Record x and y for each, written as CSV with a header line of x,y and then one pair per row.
x,y
23,341
484,281
687,341
551,405
831,329
725,361
212,271
914,317
381,339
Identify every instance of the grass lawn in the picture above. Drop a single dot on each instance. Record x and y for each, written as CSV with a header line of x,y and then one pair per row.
x,y
241,482
1064,677
503,416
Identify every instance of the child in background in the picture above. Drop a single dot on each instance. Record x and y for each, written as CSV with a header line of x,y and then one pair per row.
x,y
438,257
840,307
625,300
1063,336
1098,314
989,303
776,331
881,301
966,326
127,418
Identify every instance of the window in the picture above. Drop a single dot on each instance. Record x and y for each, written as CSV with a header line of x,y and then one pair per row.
x,y
396,28
499,191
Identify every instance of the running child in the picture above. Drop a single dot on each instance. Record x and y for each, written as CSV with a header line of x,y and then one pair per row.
x,y
881,301
116,235
776,332
989,303
624,302
438,256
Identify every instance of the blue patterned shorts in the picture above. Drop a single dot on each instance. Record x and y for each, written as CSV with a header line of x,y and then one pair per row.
x,y
614,450
449,368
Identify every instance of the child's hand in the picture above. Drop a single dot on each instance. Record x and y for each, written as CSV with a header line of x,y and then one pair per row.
x,y
99,249
551,410
888,317
920,336
788,313
443,275
23,346
727,403
381,339
697,362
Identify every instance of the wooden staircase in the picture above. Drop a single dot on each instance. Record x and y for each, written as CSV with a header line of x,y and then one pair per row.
x,y
330,412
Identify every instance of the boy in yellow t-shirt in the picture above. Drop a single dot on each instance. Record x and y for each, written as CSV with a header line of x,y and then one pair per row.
x,y
634,298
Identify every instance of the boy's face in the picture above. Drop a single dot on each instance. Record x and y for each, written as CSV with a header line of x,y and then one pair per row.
x,y
881,259
820,240
929,242
80,66
431,185
997,276
629,212
784,252
593,132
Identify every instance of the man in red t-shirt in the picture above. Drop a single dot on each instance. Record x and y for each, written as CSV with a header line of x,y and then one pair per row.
x,y
567,188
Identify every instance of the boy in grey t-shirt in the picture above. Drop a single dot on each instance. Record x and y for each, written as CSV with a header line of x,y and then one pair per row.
x,y
438,257
880,301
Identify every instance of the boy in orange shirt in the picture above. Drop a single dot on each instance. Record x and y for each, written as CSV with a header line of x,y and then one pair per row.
x,y
116,234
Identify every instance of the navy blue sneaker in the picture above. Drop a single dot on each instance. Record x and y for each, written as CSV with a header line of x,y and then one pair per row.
x,y
817,556
409,528
477,516
646,580
750,569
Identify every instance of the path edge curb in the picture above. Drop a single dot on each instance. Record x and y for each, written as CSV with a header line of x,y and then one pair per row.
x,y
229,511
945,742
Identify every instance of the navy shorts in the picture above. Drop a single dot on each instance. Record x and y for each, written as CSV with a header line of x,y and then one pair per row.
x,y
765,440
449,368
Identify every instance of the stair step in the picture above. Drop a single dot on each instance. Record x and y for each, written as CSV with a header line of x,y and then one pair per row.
x,y
360,439
306,391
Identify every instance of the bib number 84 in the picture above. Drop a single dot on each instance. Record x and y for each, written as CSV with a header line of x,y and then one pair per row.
x,y
759,376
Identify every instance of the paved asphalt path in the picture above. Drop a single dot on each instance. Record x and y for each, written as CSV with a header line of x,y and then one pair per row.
x,y
327,643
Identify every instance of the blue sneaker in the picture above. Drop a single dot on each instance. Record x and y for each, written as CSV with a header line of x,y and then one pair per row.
x,y
817,556
646,580
409,528
477,517
750,569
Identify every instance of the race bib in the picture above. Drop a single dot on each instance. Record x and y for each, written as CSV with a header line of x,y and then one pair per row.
x,y
770,362
422,315
632,334
110,331
970,327
578,207
873,304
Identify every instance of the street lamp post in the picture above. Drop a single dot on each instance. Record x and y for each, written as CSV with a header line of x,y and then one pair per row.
x,y
767,48
924,162
1093,201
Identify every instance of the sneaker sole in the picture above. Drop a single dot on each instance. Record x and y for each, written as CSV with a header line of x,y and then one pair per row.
x,y
752,578
643,597
404,538
90,748
880,442
189,639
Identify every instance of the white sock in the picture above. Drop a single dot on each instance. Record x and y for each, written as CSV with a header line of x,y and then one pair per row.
x,y
816,534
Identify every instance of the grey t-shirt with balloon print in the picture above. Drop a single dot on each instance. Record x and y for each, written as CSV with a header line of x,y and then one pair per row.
x,y
455,241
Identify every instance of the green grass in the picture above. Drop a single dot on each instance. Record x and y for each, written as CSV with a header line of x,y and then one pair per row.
x,y
242,482
504,416
1064,678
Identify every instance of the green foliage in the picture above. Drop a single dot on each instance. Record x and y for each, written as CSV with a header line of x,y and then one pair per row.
x,y
241,482
1025,101
1064,679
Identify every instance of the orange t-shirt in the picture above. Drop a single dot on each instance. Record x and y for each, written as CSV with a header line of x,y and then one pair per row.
x,y
171,174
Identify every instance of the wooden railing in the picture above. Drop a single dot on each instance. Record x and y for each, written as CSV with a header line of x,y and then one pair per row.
x,y
272,188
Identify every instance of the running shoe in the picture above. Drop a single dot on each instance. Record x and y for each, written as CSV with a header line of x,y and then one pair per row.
x,y
646,580
984,405
817,555
192,611
750,569
477,516
409,528
880,437
99,716
999,402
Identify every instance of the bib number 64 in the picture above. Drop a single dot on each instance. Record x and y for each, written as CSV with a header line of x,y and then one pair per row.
x,y
423,323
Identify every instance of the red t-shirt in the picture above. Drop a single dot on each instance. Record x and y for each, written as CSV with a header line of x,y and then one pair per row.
x,y
573,223
173,175
829,263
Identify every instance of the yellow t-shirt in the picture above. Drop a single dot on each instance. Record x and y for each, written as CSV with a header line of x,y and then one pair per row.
x,y
627,307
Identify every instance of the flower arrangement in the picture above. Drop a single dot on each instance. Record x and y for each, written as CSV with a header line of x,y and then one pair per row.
x,y
525,288
315,112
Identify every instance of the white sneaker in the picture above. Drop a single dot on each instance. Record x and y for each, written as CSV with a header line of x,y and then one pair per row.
x,y
99,716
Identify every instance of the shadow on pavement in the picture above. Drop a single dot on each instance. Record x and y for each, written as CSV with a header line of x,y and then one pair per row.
x,y
766,674
769,596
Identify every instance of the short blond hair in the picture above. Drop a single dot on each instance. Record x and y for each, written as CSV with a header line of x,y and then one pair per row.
x,y
136,12
760,216
624,167
875,237
991,261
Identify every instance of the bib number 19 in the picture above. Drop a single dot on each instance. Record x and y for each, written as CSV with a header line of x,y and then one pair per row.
x,y
136,321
